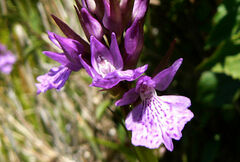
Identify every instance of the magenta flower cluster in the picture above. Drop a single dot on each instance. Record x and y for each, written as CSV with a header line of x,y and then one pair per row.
x,y
114,30
7,59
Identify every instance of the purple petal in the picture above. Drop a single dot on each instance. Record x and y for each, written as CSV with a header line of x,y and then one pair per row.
x,y
133,43
84,4
129,97
88,68
90,25
55,78
112,79
144,84
7,59
72,48
145,127
2,48
6,69
179,102
51,36
59,57
165,77
99,52
158,120
180,114
167,141
131,75
139,9
114,50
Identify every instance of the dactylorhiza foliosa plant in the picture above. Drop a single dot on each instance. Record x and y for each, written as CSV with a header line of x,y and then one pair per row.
x,y
115,32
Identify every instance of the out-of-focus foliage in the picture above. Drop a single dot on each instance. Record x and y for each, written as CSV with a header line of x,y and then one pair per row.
x,y
81,124
207,37
56,126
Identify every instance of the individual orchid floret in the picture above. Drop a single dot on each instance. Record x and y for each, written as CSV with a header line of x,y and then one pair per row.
x,y
90,25
133,44
112,19
69,61
157,119
7,59
106,67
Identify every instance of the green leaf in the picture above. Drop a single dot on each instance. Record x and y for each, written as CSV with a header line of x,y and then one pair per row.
x,y
121,133
129,154
216,89
226,48
230,66
101,109
207,86
145,154
226,21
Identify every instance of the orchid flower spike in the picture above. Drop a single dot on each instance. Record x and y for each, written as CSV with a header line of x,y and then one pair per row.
x,y
69,61
157,119
106,67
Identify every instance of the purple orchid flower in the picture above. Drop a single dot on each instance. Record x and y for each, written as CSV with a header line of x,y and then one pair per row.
x,y
106,67
7,59
157,119
69,61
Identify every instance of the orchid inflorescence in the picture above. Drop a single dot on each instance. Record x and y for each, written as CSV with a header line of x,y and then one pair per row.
x,y
114,30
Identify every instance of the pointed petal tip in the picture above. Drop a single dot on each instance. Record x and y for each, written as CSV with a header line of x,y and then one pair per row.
x,y
177,64
84,10
145,67
45,52
117,103
113,35
53,16
50,33
180,60
92,38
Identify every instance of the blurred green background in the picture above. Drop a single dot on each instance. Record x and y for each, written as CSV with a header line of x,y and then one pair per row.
x,y
78,123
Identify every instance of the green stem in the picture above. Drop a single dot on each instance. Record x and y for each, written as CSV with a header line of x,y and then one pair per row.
x,y
145,154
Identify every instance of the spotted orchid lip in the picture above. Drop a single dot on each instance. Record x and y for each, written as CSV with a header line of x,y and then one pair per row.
x,y
158,120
